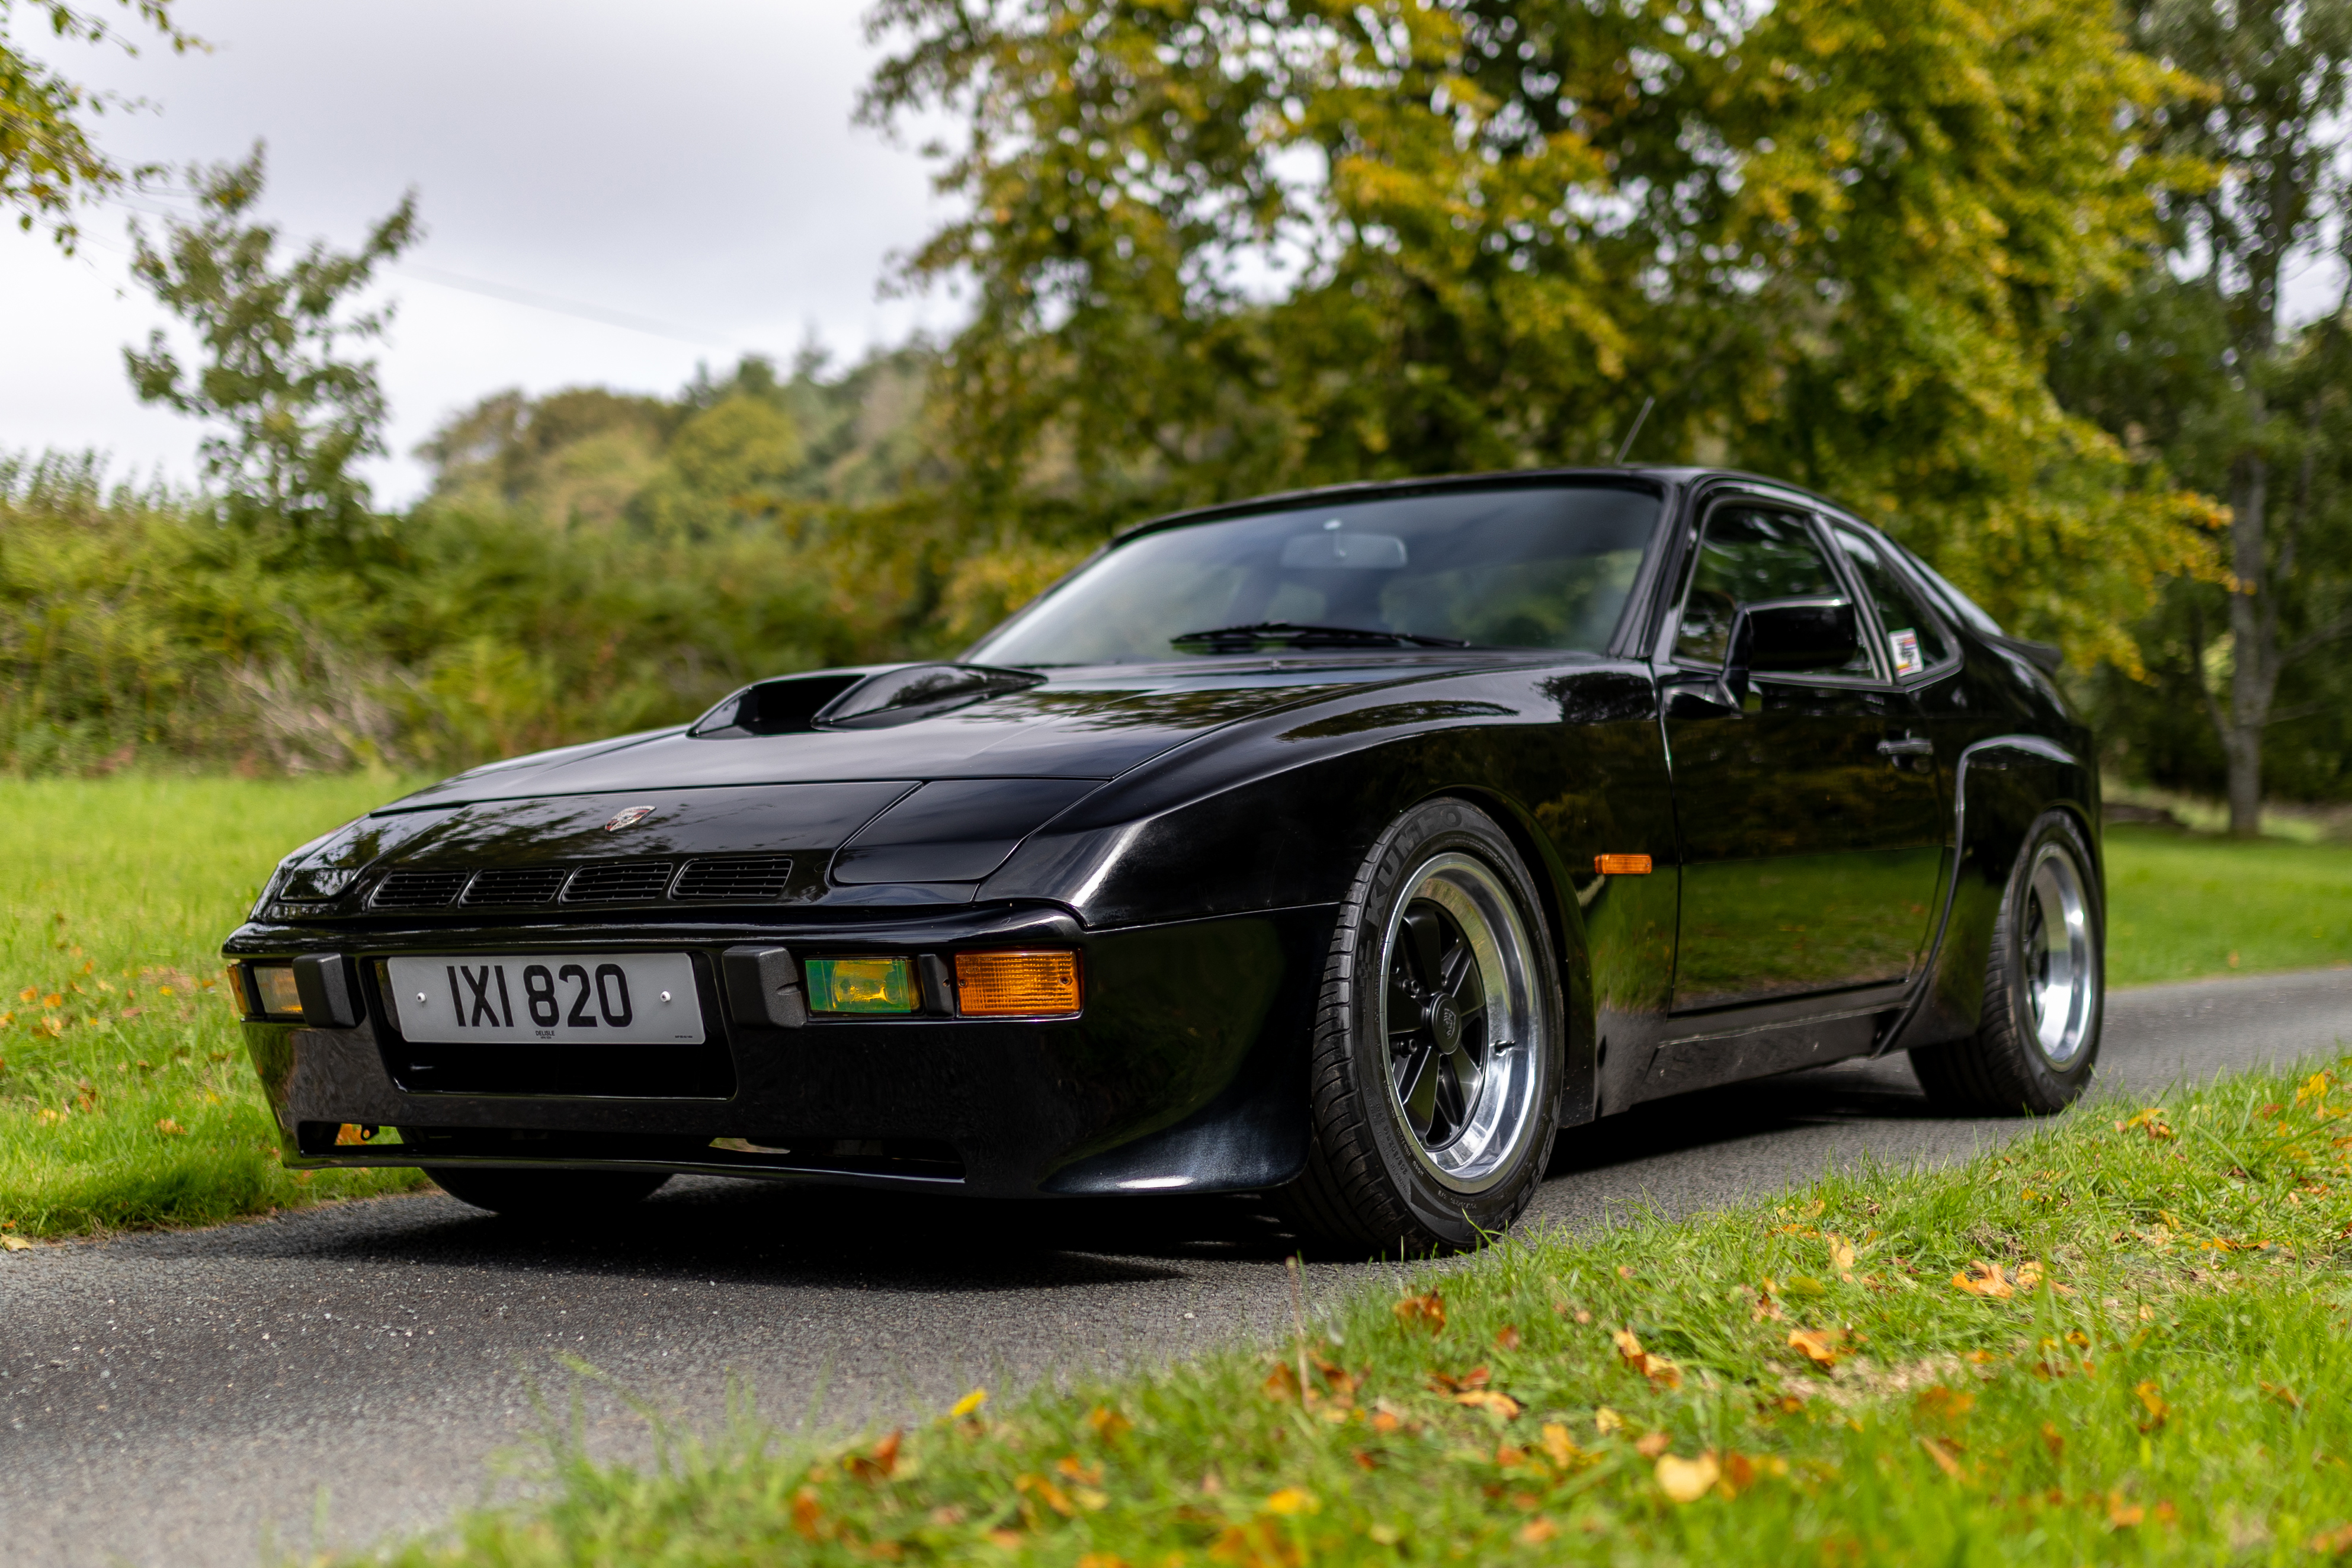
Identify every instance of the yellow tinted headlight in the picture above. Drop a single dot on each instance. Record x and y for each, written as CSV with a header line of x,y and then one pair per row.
x,y
274,991
861,986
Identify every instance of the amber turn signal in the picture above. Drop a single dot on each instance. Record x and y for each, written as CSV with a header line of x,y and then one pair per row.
x,y
1622,865
1017,985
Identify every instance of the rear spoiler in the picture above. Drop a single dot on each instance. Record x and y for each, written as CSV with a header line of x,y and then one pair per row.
x,y
2047,657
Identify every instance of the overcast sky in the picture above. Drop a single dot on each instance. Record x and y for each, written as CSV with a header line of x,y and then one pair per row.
x,y
689,164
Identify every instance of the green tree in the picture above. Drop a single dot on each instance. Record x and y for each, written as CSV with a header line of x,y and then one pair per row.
x,y
298,414
2196,369
47,160
1219,248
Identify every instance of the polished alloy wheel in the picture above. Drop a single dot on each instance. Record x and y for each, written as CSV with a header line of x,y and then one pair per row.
x,y
1458,1011
2061,978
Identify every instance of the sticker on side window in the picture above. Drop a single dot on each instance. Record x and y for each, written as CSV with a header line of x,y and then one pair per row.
x,y
1906,646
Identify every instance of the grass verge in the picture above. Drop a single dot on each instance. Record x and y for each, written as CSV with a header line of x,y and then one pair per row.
x,y
126,1099
2119,1338
2182,906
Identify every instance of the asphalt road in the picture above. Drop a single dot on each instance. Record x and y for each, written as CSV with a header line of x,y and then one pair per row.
x,y
338,1375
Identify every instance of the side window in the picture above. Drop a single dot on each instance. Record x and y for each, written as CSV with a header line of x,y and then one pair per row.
x,y
1746,554
1915,641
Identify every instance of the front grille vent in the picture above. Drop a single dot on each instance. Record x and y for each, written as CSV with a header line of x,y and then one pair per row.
x,y
748,881
510,885
418,890
623,882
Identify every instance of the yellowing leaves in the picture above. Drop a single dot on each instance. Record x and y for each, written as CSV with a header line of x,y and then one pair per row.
x,y
1293,1501
1656,1368
2336,1542
878,1463
1426,1311
1470,1389
1066,1503
1687,1481
2151,1122
2152,1400
1822,1347
1561,1445
968,1404
1983,1279
1943,1453
13,1243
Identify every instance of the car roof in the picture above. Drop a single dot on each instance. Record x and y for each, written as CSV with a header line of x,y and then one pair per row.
x,y
1638,475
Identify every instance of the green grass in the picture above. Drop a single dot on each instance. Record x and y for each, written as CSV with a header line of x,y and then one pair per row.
x,y
127,1100
117,892
2181,905
2121,1339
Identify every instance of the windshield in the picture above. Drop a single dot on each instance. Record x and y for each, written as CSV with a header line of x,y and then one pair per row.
x,y
1522,567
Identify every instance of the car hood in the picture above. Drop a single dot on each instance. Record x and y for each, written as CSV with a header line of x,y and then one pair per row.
x,y
1085,724
906,811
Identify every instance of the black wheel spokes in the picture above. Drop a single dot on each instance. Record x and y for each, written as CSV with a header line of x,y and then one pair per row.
x,y
1437,1073
2037,953
1417,1078
1458,992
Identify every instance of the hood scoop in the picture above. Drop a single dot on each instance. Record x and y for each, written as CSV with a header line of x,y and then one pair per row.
x,y
855,699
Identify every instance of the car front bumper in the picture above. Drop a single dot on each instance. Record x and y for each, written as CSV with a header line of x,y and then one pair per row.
x,y
1185,1072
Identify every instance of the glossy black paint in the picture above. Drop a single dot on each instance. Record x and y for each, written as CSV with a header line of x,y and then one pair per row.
x,y
1829,851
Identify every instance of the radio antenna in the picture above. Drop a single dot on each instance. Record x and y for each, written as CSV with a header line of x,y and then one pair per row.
x,y
1646,404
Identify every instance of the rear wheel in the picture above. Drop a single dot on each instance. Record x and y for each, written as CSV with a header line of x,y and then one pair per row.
x,y
545,1194
1437,1045
2045,986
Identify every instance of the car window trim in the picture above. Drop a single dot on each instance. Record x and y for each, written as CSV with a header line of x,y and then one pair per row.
x,y
1893,555
1809,512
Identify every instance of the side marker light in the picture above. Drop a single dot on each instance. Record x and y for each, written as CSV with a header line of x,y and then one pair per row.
x,y
1017,984
1622,865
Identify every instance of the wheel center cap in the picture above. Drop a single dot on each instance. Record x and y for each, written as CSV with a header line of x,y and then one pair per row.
x,y
1445,1023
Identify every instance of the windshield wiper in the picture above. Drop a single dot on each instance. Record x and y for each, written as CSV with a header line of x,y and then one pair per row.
x,y
1298,636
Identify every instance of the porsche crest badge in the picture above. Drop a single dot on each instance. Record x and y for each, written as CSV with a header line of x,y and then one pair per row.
x,y
634,814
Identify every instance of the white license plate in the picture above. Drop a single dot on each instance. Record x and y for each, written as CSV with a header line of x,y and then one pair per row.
x,y
556,999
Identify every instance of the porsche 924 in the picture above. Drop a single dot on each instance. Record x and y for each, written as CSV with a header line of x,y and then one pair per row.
x,y
1349,846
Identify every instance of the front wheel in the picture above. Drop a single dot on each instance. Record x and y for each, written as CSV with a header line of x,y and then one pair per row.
x,y
1436,1058
527,1193
2045,986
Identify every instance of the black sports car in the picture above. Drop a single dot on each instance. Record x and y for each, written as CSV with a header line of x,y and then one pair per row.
x,y
1345,845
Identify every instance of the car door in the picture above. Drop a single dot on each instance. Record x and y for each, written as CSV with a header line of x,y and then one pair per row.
x,y
1811,835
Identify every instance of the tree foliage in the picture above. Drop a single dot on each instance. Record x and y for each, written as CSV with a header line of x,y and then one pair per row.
x,y
1223,247
2194,366
47,160
298,414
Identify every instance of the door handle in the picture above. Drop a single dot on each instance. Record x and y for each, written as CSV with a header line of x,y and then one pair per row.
x,y
1909,746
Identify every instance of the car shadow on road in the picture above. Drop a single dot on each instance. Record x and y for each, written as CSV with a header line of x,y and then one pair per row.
x,y
717,1229
1850,1095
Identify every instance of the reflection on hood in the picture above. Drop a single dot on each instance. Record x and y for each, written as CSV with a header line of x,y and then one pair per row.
x,y
1076,725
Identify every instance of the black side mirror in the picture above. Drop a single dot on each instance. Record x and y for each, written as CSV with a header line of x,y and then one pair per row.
x,y
1788,634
